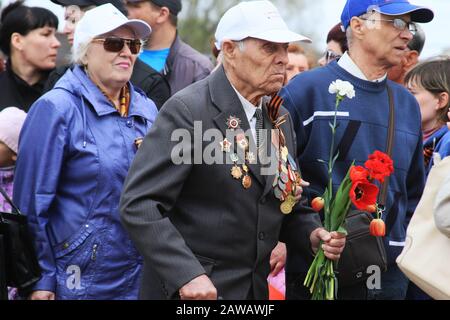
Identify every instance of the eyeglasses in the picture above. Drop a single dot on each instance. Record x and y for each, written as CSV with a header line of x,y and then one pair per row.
x,y
398,23
114,44
330,55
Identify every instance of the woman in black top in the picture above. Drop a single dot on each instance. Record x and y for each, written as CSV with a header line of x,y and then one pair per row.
x,y
28,39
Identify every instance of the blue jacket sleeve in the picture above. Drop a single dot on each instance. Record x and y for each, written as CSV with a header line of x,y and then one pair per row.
x,y
40,156
444,146
292,106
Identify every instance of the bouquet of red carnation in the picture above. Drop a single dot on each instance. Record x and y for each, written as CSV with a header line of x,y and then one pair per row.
x,y
358,188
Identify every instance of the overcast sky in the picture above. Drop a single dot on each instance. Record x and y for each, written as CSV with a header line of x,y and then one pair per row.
x,y
320,15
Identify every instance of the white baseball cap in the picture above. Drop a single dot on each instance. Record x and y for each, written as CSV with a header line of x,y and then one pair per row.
x,y
255,19
104,19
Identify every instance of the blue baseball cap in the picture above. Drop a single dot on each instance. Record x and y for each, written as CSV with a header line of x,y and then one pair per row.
x,y
355,8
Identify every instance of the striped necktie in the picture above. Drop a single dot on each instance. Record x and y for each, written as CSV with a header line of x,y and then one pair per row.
x,y
259,125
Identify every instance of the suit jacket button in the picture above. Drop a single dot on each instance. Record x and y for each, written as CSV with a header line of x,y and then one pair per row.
x,y
261,236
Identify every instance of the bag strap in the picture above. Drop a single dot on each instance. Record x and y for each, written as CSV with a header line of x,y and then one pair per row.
x,y
389,145
8,199
347,139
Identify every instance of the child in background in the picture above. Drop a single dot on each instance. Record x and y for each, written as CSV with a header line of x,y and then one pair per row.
x,y
429,82
11,121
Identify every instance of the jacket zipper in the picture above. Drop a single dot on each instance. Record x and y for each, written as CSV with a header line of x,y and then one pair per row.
x,y
94,252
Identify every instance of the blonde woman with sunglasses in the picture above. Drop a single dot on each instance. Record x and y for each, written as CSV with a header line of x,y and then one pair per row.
x,y
77,144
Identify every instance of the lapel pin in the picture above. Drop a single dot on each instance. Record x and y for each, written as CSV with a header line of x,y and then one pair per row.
x,y
233,123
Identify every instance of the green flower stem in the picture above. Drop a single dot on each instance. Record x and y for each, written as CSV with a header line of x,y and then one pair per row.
x,y
321,279
329,190
313,272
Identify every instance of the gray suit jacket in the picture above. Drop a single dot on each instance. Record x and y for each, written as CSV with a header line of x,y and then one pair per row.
x,y
193,219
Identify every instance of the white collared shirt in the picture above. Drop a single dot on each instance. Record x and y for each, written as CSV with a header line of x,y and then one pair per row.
x,y
250,110
347,63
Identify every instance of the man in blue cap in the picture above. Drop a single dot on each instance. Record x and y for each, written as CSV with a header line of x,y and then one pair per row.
x,y
378,32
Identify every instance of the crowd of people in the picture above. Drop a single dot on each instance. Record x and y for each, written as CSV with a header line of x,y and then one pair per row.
x,y
147,172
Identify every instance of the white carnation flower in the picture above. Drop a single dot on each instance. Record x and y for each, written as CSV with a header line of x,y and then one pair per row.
x,y
342,88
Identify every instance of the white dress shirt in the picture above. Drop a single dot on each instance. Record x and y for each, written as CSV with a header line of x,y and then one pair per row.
x,y
250,110
346,63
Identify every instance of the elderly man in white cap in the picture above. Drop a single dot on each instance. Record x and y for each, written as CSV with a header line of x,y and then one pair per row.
x,y
206,228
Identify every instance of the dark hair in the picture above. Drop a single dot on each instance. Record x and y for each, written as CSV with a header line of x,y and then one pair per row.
x,y
336,34
173,18
22,19
433,76
119,4
214,49
418,41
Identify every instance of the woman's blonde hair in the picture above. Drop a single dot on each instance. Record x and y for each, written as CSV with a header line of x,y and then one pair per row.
x,y
79,53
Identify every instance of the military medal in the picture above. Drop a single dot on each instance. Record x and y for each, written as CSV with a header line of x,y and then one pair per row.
x,y
289,187
234,157
275,180
286,185
233,123
284,177
236,172
250,157
286,207
292,163
291,174
242,141
278,193
298,178
288,204
225,145
284,153
247,182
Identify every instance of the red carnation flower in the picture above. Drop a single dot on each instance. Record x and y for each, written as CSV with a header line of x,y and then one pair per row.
x,y
380,166
363,194
358,173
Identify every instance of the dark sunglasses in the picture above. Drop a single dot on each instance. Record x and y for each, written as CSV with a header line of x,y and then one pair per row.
x,y
114,44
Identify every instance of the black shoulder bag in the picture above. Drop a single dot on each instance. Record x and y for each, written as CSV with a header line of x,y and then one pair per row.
x,y
21,268
363,250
